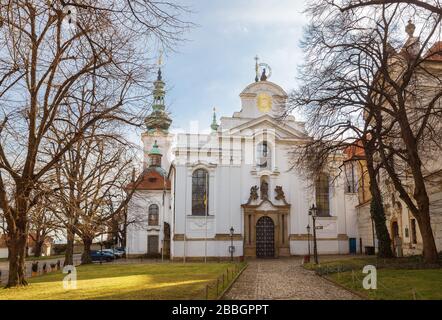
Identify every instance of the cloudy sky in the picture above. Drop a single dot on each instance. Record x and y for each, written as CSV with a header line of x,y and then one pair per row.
x,y
217,62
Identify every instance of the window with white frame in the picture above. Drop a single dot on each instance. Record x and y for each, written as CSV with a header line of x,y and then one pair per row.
x,y
263,155
200,192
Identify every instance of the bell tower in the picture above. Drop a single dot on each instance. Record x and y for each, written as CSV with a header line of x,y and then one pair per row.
x,y
158,123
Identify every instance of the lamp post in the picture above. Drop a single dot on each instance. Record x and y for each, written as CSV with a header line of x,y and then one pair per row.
x,y
232,248
101,249
308,241
313,211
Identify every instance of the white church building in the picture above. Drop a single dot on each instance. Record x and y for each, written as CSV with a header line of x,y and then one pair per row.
x,y
199,194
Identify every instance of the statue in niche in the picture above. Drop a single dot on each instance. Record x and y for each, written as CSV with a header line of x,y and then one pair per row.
x,y
279,193
253,193
264,190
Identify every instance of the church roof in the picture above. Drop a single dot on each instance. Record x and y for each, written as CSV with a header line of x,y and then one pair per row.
x,y
153,178
355,151
435,52
259,84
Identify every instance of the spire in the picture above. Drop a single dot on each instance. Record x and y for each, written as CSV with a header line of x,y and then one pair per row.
x,y
214,124
158,119
412,45
155,156
410,28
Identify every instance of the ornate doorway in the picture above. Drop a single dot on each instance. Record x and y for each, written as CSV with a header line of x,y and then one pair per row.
x,y
265,238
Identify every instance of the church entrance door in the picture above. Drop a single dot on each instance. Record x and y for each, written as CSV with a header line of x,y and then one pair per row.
x,y
265,238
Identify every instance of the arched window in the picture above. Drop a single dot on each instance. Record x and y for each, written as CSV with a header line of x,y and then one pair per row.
x,y
200,193
263,155
153,215
322,195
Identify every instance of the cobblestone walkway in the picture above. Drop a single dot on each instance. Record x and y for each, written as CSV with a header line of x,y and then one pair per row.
x,y
284,279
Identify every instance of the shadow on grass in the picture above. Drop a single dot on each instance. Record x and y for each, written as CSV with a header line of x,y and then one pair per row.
x,y
138,282
97,271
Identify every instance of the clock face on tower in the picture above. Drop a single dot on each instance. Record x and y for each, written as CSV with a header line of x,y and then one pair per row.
x,y
264,102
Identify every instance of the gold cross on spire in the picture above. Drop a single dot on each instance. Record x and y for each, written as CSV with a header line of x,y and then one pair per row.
x,y
160,58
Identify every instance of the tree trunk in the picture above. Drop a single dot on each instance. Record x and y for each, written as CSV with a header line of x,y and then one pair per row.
x,y
69,254
86,256
430,250
38,248
17,260
377,207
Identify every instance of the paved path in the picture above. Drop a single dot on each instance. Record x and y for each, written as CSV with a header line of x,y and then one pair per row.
x,y
284,279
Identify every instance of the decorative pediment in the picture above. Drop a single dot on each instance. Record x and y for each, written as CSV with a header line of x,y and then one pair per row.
x,y
266,122
266,205
263,201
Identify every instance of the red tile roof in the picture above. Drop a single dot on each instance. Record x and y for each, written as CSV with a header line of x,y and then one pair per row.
x,y
355,151
435,52
151,179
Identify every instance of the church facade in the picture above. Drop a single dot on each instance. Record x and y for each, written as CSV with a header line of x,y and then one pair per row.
x,y
234,190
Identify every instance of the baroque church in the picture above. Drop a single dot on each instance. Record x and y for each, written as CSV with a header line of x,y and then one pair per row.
x,y
233,191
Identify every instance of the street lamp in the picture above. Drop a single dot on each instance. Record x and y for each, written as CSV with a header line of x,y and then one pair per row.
x,y
308,241
232,248
101,249
313,211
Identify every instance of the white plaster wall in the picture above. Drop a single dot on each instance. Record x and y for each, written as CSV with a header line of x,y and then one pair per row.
x,y
365,229
436,218
138,210
3,253
300,247
214,248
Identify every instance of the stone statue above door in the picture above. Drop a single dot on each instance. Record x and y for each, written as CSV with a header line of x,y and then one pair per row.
x,y
264,190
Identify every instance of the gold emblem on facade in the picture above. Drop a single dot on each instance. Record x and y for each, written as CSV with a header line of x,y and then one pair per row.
x,y
264,102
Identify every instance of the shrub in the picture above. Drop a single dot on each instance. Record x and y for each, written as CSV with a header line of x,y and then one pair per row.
x,y
34,266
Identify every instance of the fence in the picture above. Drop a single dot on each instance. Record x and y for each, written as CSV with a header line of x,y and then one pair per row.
x,y
356,283
43,267
216,288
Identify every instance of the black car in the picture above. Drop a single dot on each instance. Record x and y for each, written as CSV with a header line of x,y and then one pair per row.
x,y
102,256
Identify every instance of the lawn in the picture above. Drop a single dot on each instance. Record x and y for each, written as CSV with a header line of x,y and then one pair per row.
x,y
397,279
169,281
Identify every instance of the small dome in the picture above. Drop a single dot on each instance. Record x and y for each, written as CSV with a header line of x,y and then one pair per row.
x,y
155,150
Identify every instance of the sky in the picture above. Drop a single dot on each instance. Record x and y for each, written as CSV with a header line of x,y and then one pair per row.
x,y
216,62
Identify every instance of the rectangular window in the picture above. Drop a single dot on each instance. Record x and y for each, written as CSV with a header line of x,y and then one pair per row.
x,y
351,178
322,195
413,231
200,193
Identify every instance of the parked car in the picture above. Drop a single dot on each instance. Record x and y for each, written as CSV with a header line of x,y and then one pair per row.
x,y
118,254
122,250
102,256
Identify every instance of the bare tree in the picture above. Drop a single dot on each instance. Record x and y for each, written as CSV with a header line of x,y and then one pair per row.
x,y
46,49
90,183
433,6
43,224
358,88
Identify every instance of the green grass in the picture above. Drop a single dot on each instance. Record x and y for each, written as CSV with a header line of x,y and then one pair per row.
x,y
170,281
396,284
397,279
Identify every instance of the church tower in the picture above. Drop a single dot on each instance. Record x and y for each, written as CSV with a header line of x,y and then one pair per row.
x,y
157,124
